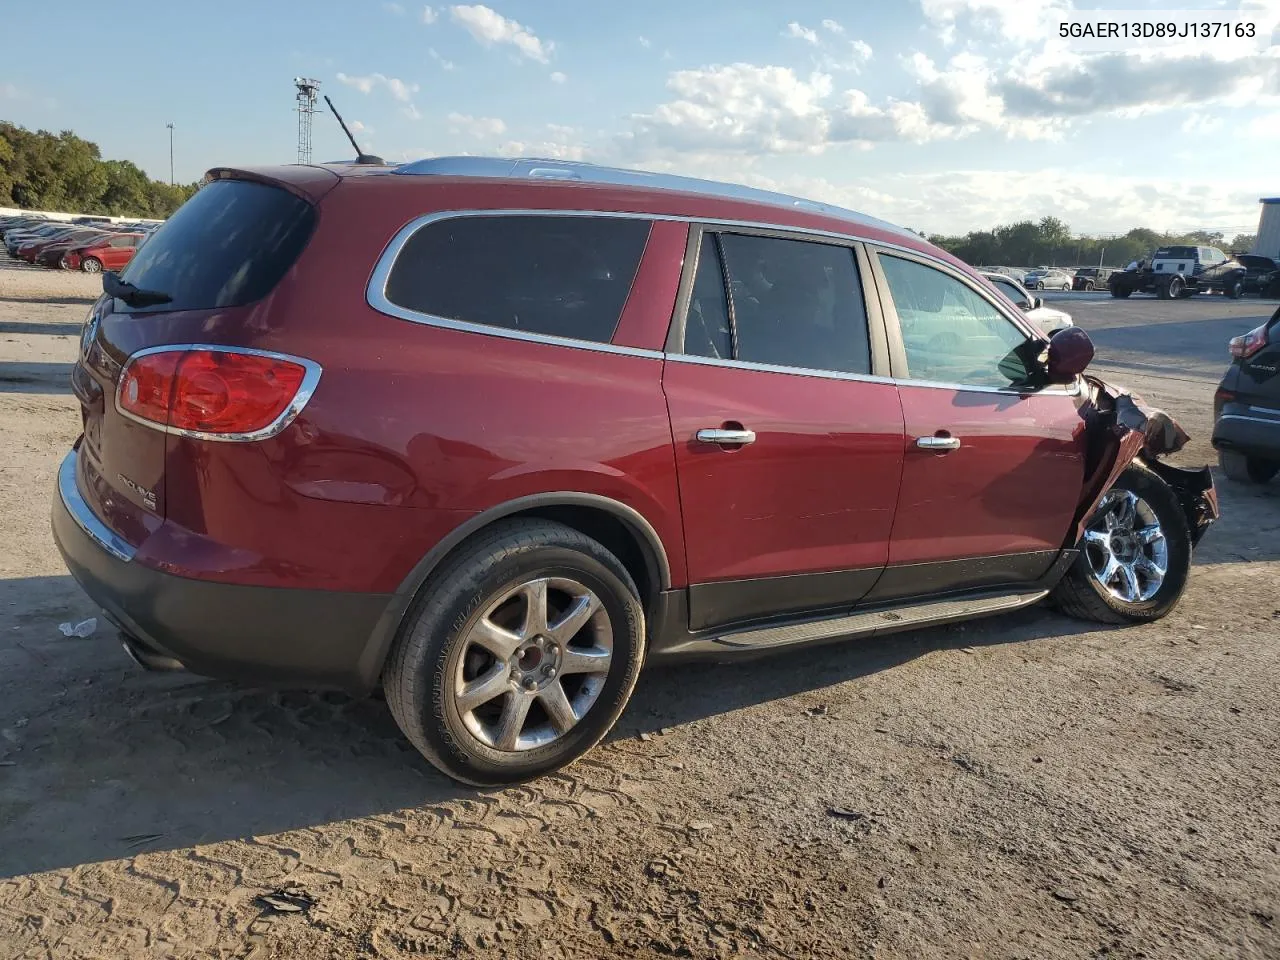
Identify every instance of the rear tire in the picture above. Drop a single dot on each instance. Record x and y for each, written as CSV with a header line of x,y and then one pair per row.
x,y
1170,288
494,678
1234,289
91,265
1120,292
1245,469
1135,556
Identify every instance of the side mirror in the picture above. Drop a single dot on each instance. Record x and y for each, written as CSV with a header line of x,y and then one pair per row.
x,y
1037,303
1070,352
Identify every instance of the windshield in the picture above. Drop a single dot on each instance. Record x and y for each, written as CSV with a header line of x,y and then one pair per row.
x,y
227,246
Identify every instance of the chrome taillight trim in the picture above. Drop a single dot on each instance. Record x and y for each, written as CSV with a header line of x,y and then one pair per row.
x,y
310,380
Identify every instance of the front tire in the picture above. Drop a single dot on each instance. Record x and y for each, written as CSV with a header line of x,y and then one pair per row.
x,y
1135,555
91,265
1245,469
1234,289
1121,292
520,655
1170,288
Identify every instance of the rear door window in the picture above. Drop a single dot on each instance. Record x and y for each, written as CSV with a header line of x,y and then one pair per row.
x,y
794,303
227,246
553,275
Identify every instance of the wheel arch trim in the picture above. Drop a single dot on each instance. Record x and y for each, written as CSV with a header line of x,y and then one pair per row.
x,y
388,626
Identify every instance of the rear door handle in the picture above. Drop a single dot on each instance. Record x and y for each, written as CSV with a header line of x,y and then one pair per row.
x,y
727,437
938,443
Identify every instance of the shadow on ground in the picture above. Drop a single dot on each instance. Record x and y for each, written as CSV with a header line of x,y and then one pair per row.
x,y
35,377
103,760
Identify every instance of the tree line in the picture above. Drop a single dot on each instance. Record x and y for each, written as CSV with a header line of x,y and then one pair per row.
x,y
1051,243
45,171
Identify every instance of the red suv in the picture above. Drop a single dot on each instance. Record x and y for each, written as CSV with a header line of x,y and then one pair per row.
x,y
490,434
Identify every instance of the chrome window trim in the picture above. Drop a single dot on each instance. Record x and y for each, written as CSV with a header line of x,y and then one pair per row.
x,y
776,368
79,510
376,296
376,291
310,380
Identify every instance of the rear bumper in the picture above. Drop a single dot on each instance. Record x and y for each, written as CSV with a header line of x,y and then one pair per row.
x,y
1253,431
307,637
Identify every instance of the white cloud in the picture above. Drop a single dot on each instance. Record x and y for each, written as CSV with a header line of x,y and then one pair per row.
x,y
356,127
645,42
489,27
546,149
832,26
9,91
476,126
1265,127
430,15
396,87
412,112
1201,123
444,64
740,107
861,50
558,77
797,32
393,8
1023,22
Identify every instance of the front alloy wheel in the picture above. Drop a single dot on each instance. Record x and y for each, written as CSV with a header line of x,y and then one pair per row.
x,y
1126,547
1134,554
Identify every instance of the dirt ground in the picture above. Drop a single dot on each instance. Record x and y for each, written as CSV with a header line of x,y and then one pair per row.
x,y
1025,787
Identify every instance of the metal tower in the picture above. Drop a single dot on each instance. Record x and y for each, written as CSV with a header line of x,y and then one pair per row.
x,y
308,91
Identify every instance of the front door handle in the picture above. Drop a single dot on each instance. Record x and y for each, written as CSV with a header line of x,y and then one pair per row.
x,y
938,443
727,438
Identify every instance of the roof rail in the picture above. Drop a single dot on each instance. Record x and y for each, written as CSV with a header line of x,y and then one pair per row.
x,y
533,168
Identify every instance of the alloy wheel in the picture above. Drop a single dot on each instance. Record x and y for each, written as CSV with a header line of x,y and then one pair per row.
x,y
1126,547
532,664
91,265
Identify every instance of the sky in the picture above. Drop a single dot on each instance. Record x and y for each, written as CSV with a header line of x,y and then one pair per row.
x,y
941,115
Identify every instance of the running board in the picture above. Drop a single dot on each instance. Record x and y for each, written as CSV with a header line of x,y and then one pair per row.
x,y
929,613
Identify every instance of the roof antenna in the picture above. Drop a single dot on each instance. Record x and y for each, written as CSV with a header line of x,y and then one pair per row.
x,y
361,156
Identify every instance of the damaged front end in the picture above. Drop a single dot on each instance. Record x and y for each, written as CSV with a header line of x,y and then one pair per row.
x,y
1122,428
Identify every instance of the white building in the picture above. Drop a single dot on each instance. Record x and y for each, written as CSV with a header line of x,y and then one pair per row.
x,y
1268,242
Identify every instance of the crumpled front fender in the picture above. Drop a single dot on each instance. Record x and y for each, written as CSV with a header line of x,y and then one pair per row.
x,y
1121,428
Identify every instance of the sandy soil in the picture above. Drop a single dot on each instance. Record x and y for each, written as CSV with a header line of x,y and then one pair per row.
x,y
1024,787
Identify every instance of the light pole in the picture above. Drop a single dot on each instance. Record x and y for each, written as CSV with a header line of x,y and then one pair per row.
x,y
170,126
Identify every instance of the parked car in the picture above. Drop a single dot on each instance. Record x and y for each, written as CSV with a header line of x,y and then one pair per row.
x,y
1246,406
53,254
1181,271
1091,278
1262,274
1047,319
1047,279
31,249
109,252
495,454
15,238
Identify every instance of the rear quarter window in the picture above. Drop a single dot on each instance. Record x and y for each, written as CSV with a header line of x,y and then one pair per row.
x,y
553,275
227,246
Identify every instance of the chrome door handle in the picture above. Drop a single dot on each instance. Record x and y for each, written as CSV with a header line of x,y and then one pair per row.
x,y
938,443
727,437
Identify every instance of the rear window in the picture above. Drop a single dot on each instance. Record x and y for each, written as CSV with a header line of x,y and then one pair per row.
x,y
228,245
560,276
1176,253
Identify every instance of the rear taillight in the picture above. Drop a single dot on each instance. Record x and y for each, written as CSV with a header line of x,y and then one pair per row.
x,y
1246,346
215,393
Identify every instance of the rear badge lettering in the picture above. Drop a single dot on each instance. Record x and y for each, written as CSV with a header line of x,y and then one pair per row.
x,y
146,496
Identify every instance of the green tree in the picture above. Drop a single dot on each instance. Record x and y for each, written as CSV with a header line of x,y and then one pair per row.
x,y
47,171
